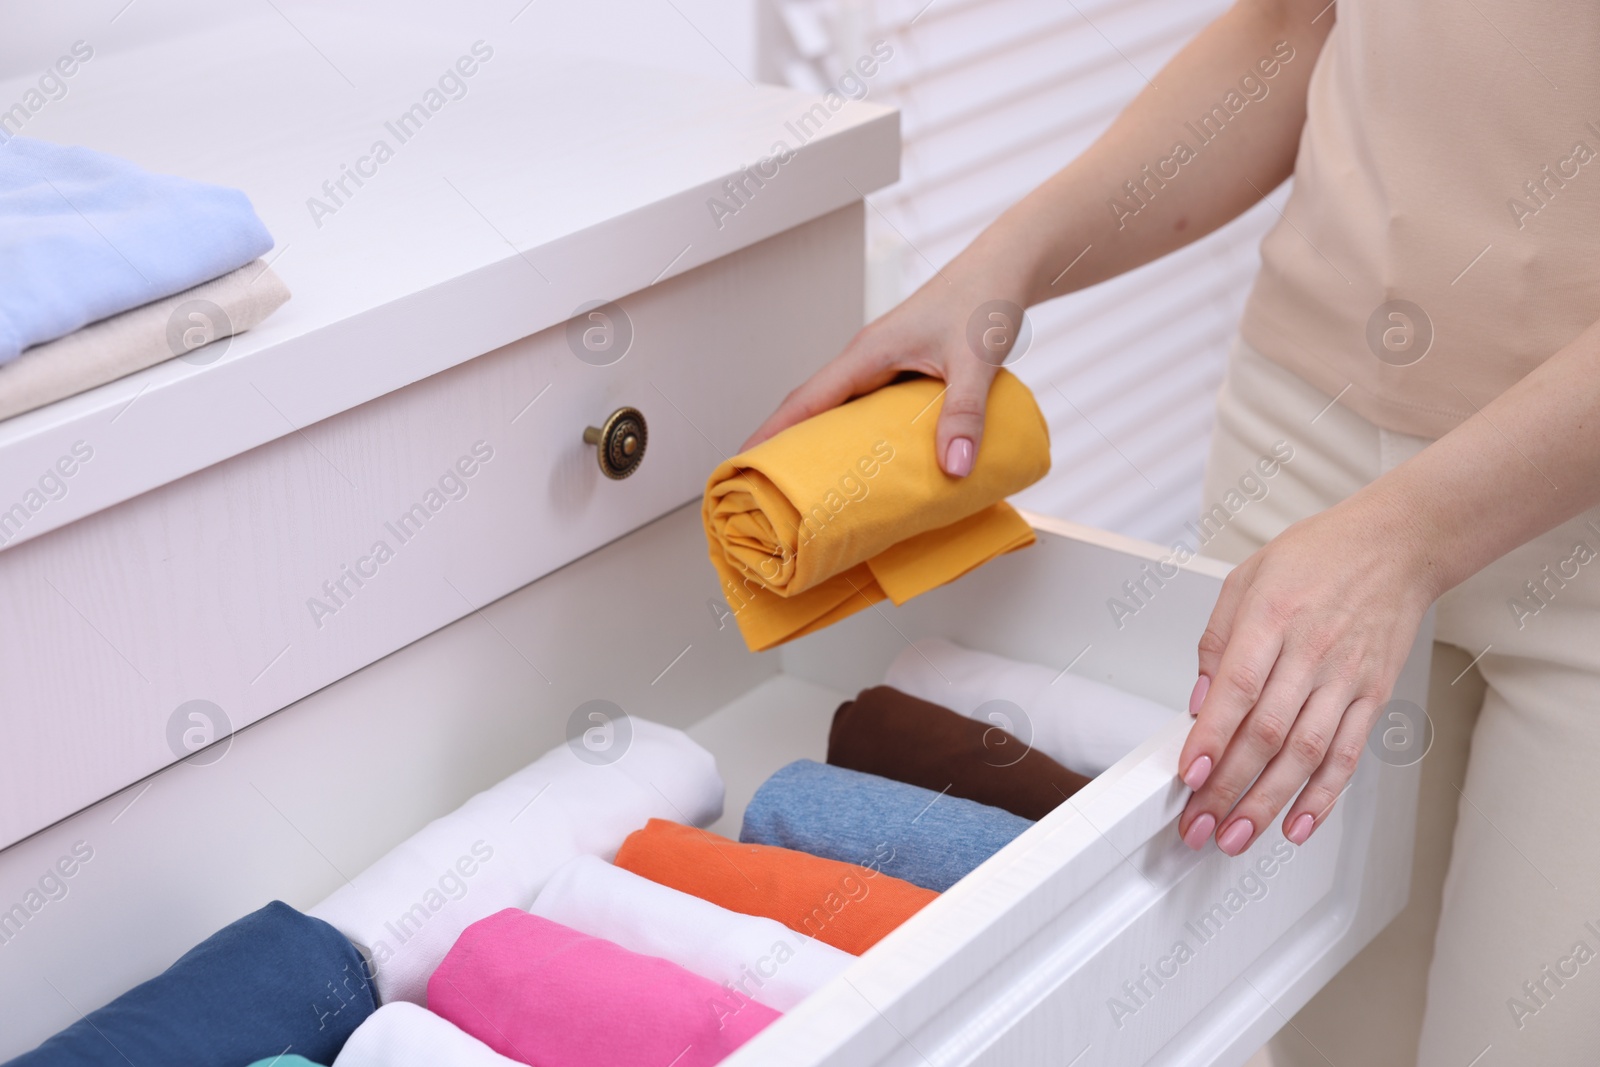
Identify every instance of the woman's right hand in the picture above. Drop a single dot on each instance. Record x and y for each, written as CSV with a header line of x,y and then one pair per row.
x,y
1023,257
927,334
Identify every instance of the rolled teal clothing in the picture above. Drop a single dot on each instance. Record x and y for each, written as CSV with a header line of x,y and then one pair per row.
x,y
290,1060
274,983
926,838
84,236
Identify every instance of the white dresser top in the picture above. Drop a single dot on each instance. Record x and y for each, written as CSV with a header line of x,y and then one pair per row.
x,y
553,182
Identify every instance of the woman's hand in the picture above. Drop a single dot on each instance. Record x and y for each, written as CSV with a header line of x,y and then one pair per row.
x,y
1301,653
928,334
1060,237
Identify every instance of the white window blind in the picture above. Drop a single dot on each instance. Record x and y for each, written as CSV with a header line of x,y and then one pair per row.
x,y
994,97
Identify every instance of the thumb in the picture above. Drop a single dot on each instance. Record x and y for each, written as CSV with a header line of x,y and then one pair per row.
x,y
960,429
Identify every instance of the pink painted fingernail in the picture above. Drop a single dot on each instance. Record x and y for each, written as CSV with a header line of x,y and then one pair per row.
x,y
1300,829
1201,686
1199,831
1236,836
1198,772
958,457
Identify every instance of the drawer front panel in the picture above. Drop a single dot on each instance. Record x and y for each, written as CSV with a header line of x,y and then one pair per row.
x,y
138,633
1116,976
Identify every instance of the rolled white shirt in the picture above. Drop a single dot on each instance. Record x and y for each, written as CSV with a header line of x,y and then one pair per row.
x,y
497,850
404,1035
757,957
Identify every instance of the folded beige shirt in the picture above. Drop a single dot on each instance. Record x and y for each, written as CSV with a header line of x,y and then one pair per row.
x,y
112,348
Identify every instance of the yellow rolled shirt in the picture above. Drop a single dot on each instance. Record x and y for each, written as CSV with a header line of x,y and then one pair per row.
x,y
850,508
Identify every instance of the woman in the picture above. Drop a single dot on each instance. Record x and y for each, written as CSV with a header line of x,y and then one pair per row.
x,y
1422,333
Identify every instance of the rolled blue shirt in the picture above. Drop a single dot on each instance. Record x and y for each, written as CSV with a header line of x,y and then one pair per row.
x,y
273,983
929,839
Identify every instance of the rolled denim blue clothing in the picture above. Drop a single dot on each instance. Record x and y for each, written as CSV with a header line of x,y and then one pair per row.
x,y
928,839
290,1060
275,982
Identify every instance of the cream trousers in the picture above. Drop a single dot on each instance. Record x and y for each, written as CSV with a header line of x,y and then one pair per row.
x,y
1496,959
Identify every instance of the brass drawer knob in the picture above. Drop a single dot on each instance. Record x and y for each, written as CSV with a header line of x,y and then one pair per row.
x,y
620,443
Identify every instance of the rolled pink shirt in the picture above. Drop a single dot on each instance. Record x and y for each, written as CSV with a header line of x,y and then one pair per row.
x,y
549,996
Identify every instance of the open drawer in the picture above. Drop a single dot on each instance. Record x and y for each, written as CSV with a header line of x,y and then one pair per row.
x,y
1061,949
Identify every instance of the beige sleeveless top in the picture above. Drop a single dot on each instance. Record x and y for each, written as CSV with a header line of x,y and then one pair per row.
x,y
1442,237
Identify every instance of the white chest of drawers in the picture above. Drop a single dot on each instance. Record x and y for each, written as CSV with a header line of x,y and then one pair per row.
x,y
217,541
206,554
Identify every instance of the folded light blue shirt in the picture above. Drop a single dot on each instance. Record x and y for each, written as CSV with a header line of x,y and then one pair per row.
x,y
926,838
84,236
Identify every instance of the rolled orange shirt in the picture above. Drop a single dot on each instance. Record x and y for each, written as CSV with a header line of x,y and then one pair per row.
x,y
847,905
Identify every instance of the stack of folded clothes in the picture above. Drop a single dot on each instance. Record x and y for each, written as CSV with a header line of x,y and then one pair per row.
x,y
109,269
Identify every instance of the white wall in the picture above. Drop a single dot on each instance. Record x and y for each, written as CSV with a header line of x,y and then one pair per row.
x,y
708,37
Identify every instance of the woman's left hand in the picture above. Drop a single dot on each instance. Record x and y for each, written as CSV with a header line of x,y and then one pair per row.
x,y
1302,651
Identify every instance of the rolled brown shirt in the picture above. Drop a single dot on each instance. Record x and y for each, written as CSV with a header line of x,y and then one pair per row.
x,y
886,732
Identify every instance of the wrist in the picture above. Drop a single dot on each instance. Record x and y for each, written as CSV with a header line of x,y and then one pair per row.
x,y
1406,526
1007,259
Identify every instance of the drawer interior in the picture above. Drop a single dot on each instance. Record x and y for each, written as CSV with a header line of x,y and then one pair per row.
x,y
1047,604
1036,942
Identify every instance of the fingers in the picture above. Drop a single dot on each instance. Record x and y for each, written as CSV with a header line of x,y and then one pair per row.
x,y
854,371
1246,662
860,369
1258,740
1333,774
960,429
1305,748
1218,628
